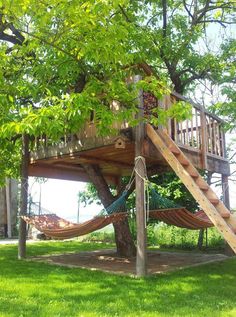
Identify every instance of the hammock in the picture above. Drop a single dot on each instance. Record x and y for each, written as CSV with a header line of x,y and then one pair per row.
x,y
53,226
182,218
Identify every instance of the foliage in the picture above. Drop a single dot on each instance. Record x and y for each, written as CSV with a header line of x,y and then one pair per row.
x,y
31,288
170,186
165,236
227,106
65,60
89,195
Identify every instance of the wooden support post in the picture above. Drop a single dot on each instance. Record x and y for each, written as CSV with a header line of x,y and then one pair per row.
x,y
225,190
24,196
8,204
141,259
226,200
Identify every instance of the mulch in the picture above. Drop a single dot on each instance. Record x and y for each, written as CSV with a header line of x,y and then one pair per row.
x,y
108,261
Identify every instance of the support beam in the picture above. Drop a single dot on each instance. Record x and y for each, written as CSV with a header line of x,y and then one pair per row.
x,y
225,190
24,196
141,259
8,204
226,200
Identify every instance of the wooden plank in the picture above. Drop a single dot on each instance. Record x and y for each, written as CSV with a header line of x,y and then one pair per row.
x,y
204,141
197,130
187,131
141,258
203,201
61,172
192,135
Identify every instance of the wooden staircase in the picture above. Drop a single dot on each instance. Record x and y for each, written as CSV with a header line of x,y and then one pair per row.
x,y
220,216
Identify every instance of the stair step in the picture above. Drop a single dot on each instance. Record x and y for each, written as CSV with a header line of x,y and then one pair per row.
x,y
203,187
174,149
224,214
232,228
183,160
202,184
192,172
214,201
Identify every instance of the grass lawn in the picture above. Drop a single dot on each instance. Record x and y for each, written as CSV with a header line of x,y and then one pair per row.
x,y
36,289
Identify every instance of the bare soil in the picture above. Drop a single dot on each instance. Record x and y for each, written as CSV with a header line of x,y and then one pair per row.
x,y
108,261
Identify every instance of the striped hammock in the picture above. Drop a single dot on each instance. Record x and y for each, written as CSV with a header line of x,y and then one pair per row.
x,y
55,227
182,218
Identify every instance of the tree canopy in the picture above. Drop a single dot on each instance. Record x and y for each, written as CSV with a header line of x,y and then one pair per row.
x,y
60,60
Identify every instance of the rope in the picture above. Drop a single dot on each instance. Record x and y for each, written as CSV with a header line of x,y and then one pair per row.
x,y
146,182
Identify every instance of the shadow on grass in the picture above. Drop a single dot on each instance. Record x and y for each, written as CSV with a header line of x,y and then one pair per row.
x,y
37,289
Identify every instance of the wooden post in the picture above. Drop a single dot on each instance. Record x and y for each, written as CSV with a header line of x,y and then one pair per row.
x,y
8,205
204,140
224,178
24,196
225,190
141,259
226,200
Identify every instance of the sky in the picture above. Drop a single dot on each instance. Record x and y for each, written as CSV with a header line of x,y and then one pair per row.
x,y
61,197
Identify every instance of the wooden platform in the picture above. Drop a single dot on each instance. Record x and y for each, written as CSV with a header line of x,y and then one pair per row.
x,y
64,161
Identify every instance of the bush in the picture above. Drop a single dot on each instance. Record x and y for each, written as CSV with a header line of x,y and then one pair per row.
x,y
174,237
165,236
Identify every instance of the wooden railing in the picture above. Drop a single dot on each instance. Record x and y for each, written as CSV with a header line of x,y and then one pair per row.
x,y
202,132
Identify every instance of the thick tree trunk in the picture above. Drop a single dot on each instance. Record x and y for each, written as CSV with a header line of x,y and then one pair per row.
x,y
200,239
124,242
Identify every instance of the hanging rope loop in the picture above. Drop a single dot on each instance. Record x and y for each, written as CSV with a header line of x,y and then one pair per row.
x,y
146,184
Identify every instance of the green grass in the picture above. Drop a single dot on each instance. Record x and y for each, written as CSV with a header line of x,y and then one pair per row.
x,y
36,289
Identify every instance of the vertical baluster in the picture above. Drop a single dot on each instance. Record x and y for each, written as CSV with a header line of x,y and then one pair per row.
x,y
168,101
219,134
223,144
187,131
181,132
204,138
197,130
216,138
176,130
209,135
192,136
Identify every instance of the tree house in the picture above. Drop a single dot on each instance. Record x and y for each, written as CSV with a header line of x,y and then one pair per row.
x,y
201,139
187,146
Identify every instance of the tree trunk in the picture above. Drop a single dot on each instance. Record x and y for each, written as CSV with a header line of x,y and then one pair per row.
x,y
200,239
123,238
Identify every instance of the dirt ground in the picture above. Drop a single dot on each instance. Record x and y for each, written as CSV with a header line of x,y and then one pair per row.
x,y
106,260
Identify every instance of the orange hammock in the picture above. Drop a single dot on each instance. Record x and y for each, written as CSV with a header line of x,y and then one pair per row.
x,y
53,226
181,217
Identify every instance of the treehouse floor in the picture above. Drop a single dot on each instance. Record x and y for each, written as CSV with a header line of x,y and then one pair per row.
x,y
108,261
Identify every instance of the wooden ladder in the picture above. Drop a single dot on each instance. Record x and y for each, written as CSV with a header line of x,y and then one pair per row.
x,y
220,216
